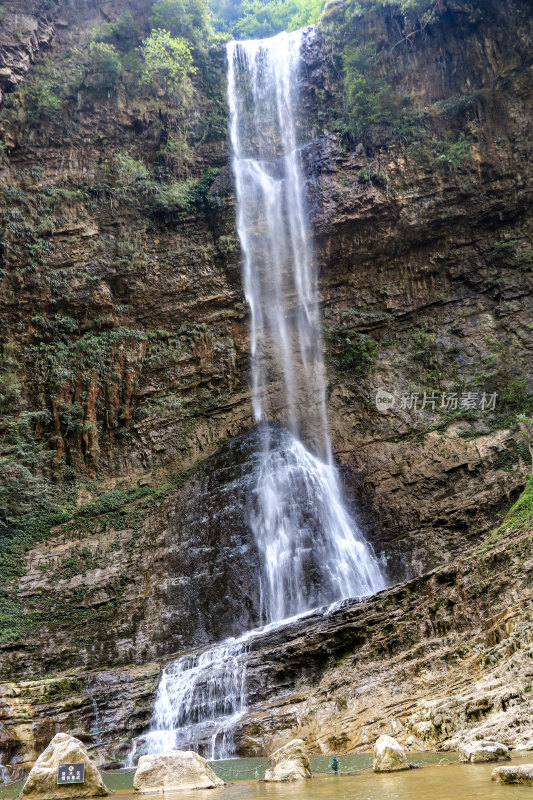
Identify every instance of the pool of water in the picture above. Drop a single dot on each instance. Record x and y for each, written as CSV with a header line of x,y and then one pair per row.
x,y
250,769
440,778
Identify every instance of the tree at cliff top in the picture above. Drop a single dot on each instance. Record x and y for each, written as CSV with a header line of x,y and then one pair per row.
x,y
253,19
189,19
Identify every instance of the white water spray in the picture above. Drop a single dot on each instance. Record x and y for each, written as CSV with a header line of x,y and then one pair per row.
x,y
311,550
199,699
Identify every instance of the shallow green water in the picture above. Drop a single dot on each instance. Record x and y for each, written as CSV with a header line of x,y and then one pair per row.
x,y
249,769
435,781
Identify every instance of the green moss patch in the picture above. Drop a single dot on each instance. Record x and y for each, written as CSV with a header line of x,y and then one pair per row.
x,y
521,514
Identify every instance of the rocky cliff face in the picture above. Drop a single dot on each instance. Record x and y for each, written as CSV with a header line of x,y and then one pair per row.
x,y
421,272
436,661
125,365
439,660
182,572
26,30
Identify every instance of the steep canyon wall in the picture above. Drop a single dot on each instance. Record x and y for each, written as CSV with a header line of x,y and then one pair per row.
x,y
125,349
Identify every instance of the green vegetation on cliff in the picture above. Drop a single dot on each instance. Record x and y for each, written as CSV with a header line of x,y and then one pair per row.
x,y
255,19
168,63
374,42
351,351
521,514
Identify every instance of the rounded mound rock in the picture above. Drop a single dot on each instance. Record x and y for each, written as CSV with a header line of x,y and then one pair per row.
x,y
174,771
42,780
483,750
522,774
389,755
289,763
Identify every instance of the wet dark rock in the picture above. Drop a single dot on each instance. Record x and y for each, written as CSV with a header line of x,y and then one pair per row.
x,y
209,588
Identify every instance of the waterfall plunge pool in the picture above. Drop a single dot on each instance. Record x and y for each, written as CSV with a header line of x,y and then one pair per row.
x,y
433,782
441,778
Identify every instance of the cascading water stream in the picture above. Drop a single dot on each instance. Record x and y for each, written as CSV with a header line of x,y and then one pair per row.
x,y
97,726
199,699
311,550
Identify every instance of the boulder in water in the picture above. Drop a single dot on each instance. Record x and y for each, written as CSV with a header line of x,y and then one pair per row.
x,y
42,780
289,763
517,774
389,755
483,750
174,771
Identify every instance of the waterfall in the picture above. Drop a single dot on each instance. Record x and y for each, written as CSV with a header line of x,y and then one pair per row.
x,y
97,727
199,699
4,774
311,549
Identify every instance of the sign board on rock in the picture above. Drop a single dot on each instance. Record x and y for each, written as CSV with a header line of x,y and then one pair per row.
x,y
71,773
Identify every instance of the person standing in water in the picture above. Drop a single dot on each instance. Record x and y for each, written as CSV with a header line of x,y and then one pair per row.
x,y
334,765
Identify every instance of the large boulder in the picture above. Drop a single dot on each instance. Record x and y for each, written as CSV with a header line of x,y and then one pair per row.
x,y
517,774
483,750
174,771
389,755
289,763
42,780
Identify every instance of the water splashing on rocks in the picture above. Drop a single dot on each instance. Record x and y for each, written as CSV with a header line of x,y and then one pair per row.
x,y
199,699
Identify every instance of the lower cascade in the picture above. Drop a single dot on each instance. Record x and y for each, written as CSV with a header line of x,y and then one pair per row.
x,y
312,552
199,699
